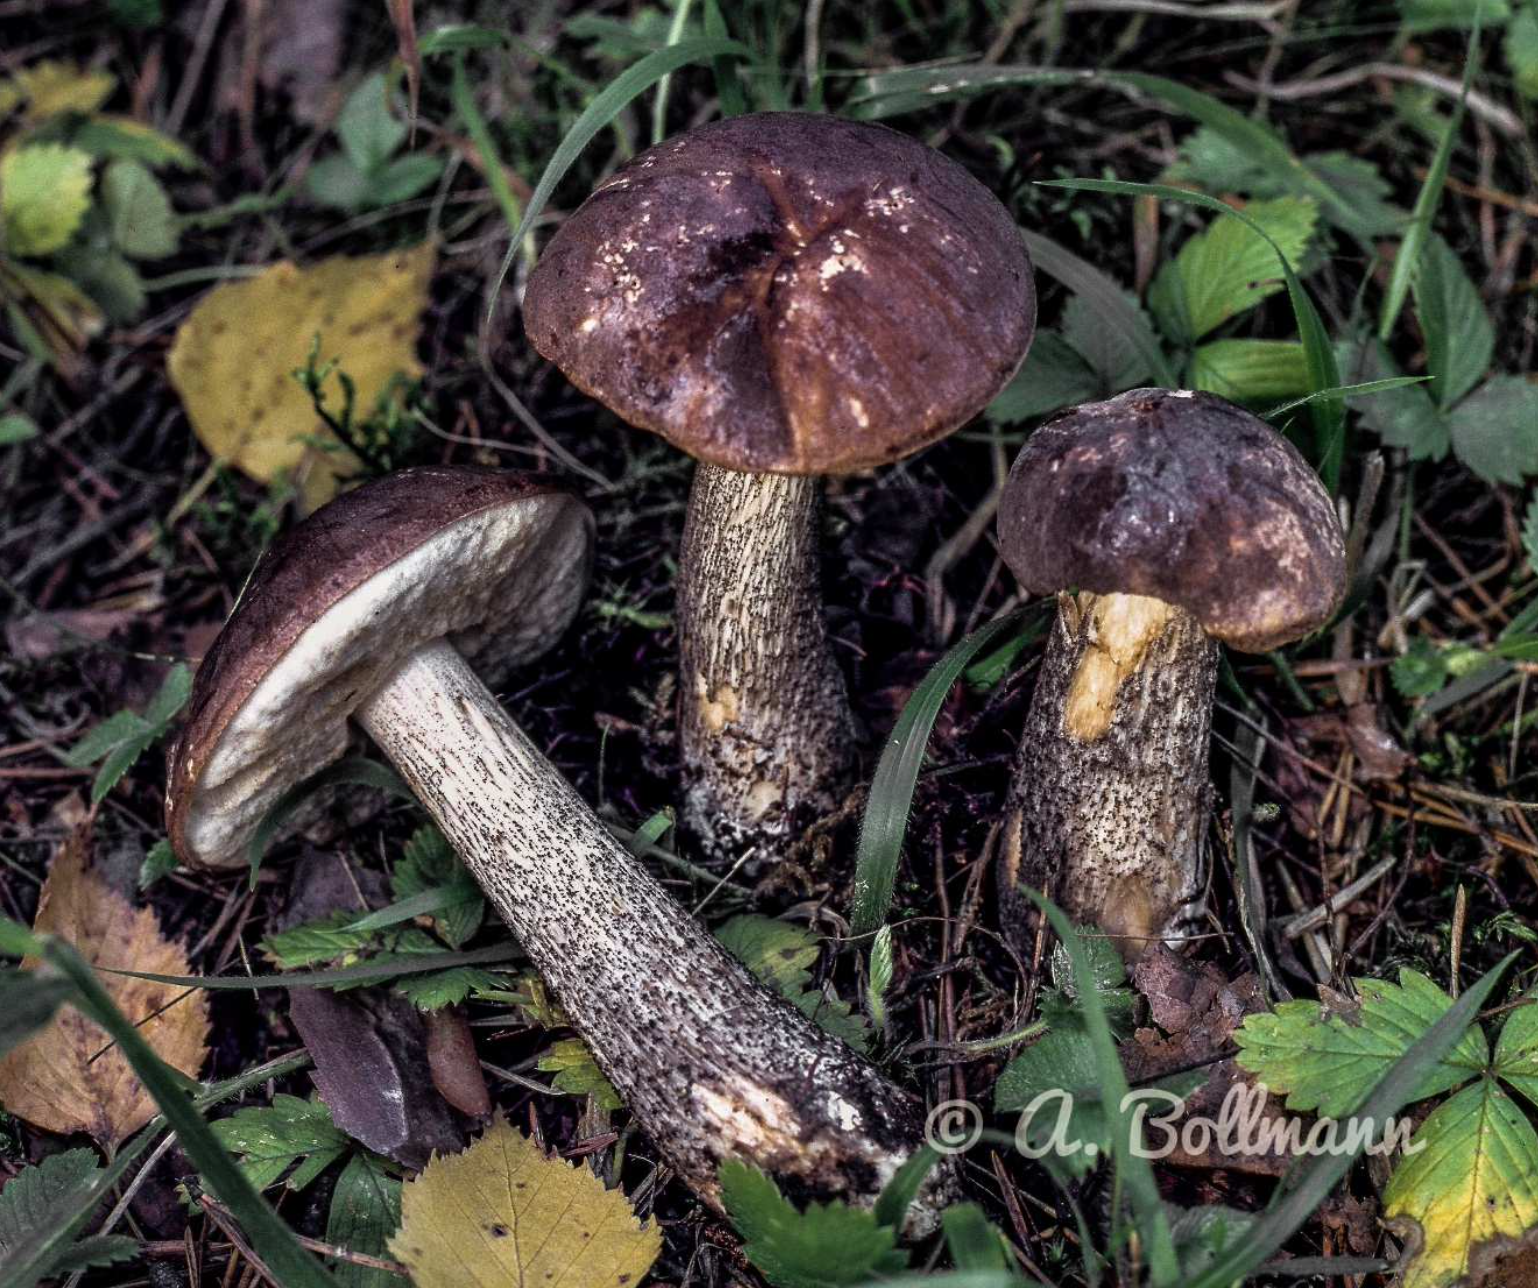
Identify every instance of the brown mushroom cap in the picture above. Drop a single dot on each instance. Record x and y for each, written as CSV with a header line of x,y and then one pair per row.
x,y
494,561
1182,497
788,293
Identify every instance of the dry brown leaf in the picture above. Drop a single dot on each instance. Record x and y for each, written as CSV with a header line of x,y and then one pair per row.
x,y
57,1080
234,357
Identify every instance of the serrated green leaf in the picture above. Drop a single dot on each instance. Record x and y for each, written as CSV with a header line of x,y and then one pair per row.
x,y
1328,1061
96,1250
327,939
434,990
1115,359
117,763
139,216
159,861
288,1133
1203,1234
971,1239
1474,1177
1494,430
1053,376
1250,370
31,1200
45,190
368,131
1404,417
1522,50
1060,1065
1421,671
577,1074
365,1211
777,952
170,698
1365,208
1228,268
111,733
1460,338
1107,970
830,1245
1516,1050
428,862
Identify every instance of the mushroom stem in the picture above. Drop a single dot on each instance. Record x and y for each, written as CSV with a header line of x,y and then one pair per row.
x,y
766,735
1108,802
713,1065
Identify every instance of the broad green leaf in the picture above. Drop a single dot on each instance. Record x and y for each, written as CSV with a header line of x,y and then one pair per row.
x,y
335,181
403,178
365,1211
1494,430
1530,533
971,1239
288,1133
1061,1061
432,991
139,213
1460,338
781,955
368,131
170,698
45,190
160,861
577,1073
111,733
1328,1060
1522,50
1250,370
32,1199
105,274
16,427
829,1245
122,136
1228,268
1109,973
1404,417
1116,360
1053,376
1474,1178
1516,1050
1364,208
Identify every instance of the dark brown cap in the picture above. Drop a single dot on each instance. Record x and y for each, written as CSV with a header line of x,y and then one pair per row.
x,y
497,562
788,293
1182,497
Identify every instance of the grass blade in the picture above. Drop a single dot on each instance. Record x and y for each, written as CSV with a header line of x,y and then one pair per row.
x,y
385,966
891,790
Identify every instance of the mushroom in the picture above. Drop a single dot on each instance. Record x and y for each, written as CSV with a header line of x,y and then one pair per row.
x,y
361,612
1183,522
782,296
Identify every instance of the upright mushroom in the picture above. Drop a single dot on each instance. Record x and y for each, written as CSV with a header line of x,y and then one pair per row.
x,y
782,296
361,612
1183,522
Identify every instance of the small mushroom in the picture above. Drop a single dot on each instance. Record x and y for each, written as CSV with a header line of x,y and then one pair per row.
x,y
1182,522
782,296
367,610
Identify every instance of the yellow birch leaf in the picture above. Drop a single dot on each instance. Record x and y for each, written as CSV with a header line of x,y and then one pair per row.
x,y
69,1078
234,357
504,1213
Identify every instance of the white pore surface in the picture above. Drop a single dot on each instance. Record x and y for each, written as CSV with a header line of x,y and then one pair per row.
x,y
506,582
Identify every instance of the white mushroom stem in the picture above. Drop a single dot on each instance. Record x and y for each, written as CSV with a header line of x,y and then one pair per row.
x,y
1108,803
766,735
713,1065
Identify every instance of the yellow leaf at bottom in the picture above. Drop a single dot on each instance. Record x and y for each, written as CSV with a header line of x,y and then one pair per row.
x,y
69,1077
234,357
504,1213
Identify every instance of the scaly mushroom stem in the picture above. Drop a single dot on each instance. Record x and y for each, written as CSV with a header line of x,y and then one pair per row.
x,y
713,1065
766,735
1108,802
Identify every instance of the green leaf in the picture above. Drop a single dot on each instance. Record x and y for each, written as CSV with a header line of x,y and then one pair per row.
x,y
1061,1066
1421,671
879,979
17,427
365,1211
1530,533
1328,1060
32,1198
1107,970
122,136
1404,417
1516,1050
1474,1177
139,213
45,190
356,770
897,1195
781,955
288,1133
827,1246
159,862
1228,268
891,791
403,178
122,738
1495,430
1250,370
28,1000
1522,50
434,990
1460,338
105,275
972,1240
428,862
1053,376
577,1073
335,181
1432,15
367,130
1117,361
1203,1234
386,966
328,939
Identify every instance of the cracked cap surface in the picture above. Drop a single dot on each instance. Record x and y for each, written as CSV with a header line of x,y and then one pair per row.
x,y
495,561
1183,497
788,293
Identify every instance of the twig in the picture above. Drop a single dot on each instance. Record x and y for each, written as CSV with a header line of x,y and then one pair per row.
x,y
1305,921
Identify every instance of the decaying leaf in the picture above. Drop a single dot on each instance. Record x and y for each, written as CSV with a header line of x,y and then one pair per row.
x,y
53,87
69,1078
503,1212
234,357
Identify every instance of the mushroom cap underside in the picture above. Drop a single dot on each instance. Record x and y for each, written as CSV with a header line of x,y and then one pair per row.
x,y
788,293
1182,497
497,562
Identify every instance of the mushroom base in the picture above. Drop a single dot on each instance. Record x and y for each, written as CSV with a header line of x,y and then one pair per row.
x,y
766,735
1109,797
714,1066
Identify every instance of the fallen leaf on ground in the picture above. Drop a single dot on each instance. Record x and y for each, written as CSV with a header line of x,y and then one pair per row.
x,y
503,1212
68,1078
234,357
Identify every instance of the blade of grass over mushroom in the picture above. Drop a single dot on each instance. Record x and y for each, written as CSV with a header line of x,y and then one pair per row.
x,y
891,790
728,84
676,28
271,1237
385,966
629,84
1132,1167
1310,1184
354,771
1328,410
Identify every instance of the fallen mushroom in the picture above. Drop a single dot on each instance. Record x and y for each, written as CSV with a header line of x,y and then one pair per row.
x,y
1183,522
361,612
781,296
